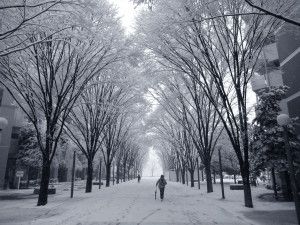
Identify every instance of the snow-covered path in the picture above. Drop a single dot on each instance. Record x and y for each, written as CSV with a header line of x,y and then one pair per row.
x,y
133,203
130,203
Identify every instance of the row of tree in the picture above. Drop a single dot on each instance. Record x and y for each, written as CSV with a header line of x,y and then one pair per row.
x,y
206,53
67,65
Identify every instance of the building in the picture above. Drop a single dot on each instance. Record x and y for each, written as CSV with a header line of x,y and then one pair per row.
x,y
9,136
281,66
9,148
288,45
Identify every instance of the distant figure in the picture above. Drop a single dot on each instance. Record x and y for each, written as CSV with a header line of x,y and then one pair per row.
x,y
161,183
139,178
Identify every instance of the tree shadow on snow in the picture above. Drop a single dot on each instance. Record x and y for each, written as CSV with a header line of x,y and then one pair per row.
x,y
274,217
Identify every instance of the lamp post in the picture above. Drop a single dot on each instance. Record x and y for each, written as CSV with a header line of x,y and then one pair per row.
x,y
283,120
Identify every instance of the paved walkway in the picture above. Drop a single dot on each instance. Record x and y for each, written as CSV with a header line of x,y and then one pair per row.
x,y
132,203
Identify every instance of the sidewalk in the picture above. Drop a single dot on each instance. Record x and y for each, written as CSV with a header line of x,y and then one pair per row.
x,y
133,203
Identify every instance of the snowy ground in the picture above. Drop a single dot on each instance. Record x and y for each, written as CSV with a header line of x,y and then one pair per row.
x,y
133,203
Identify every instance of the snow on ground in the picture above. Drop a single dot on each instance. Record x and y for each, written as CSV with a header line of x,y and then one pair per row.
x,y
133,203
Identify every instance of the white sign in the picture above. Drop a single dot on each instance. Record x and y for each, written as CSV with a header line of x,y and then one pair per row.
x,y
19,173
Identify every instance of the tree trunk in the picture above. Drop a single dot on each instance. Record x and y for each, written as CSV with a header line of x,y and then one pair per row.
x,y
118,173
43,194
108,169
28,171
202,175
198,174
187,177
247,188
177,174
234,177
183,175
214,171
134,171
209,184
286,186
274,183
246,170
124,173
192,178
113,173
89,178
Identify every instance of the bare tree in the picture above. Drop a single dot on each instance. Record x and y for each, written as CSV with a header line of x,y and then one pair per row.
x,y
116,130
45,81
129,155
220,54
276,9
88,119
185,102
21,19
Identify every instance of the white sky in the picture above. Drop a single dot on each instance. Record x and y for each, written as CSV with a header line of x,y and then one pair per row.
x,y
153,163
127,14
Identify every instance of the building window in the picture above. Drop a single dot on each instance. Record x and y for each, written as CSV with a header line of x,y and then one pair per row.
x,y
15,132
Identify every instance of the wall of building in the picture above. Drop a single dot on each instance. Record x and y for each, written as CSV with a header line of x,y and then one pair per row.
x,y
288,45
7,110
280,65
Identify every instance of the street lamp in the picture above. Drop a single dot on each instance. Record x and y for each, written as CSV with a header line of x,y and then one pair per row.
x,y
283,120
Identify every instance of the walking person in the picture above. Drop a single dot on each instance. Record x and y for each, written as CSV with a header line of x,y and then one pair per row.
x,y
139,178
161,183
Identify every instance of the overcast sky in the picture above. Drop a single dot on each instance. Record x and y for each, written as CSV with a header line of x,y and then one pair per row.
x,y
127,13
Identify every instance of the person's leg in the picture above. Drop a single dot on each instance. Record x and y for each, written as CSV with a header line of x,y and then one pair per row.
x,y
162,190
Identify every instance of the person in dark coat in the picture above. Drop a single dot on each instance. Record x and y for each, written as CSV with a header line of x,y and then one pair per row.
x,y
161,183
139,178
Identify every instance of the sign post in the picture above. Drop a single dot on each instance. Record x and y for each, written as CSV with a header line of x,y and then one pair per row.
x,y
19,174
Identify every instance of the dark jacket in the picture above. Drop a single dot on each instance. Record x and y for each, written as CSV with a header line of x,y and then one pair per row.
x,y
161,182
